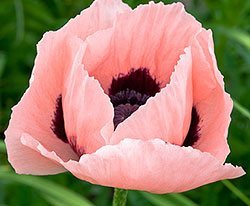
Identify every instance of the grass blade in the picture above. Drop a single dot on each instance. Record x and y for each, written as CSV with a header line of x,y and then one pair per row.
x,y
240,36
168,199
2,147
241,109
237,35
19,20
52,190
236,191
53,201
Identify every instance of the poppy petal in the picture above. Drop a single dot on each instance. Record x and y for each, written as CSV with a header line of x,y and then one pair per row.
x,y
213,104
87,111
163,168
100,15
166,115
152,37
34,112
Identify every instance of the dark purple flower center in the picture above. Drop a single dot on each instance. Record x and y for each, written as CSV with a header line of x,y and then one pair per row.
x,y
57,125
127,93
138,80
194,129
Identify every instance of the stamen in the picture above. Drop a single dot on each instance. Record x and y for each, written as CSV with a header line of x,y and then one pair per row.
x,y
128,96
138,80
122,112
128,92
194,129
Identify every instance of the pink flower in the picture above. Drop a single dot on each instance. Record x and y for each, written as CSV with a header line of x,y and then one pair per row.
x,y
125,98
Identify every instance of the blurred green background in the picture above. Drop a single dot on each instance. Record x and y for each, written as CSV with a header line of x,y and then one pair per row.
x,y
22,23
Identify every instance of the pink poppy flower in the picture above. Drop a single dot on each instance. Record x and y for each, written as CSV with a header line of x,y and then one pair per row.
x,y
125,98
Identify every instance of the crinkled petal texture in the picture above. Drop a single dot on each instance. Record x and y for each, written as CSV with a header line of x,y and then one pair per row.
x,y
88,111
158,35
213,104
145,152
34,113
158,117
151,36
153,166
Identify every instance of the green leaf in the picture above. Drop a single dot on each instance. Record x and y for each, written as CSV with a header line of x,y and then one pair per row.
x,y
54,201
53,191
2,147
241,109
19,20
238,35
236,191
168,199
2,62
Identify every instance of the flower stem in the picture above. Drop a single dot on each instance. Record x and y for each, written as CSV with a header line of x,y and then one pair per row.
x,y
120,197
